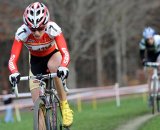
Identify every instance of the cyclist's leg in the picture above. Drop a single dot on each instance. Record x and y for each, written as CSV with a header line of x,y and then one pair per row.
x,y
53,63
38,66
149,79
158,60
150,98
150,58
34,93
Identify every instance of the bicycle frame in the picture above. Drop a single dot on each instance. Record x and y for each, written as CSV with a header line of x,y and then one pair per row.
x,y
48,98
156,78
154,100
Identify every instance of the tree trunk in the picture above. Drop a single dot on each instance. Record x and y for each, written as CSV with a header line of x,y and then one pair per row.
x,y
124,49
118,55
72,79
99,63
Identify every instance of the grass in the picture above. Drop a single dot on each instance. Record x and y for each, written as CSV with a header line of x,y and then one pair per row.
x,y
152,124
106,117
26,123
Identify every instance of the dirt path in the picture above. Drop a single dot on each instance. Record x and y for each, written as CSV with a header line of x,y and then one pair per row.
x,y
135,123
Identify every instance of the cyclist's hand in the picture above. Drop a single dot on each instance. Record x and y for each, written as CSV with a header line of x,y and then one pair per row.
x,y
15,77
144,61
62,72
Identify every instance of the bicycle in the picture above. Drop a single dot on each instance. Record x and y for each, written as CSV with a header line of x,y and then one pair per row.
x,y
154,87
47,106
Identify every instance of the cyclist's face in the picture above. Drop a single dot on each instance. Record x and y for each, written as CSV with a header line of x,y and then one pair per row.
x,y
150,41
38,32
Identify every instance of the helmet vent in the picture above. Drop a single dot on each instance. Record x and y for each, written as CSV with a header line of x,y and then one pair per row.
x,y
31,12
38,20
30,20
38,12
44,22
41,5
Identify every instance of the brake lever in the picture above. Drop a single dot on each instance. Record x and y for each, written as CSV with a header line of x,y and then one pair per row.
x,y
64,84
13,86
15,89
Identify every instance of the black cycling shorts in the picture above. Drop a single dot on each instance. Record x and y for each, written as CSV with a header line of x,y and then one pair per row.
x,y
39,64
152,57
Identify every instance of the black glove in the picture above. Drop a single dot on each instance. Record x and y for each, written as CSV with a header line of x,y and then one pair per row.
x,y
62,72
14,78
144,61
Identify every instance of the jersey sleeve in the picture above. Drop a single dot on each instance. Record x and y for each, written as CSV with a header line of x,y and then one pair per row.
x,y
157,42
15,52
55,32
62,46
22,33
142,45
21,36
142,48
53,29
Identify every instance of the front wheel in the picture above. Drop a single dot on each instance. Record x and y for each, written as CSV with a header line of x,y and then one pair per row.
x,y
56,115
154,96
158,103
41,119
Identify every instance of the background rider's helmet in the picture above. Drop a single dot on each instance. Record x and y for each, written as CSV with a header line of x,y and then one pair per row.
x,y
36,15
148,32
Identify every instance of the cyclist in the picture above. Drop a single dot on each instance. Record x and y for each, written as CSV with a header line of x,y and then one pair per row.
x,y
48,50
149,48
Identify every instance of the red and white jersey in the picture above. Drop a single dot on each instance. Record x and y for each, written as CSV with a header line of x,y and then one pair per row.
x,y
52,39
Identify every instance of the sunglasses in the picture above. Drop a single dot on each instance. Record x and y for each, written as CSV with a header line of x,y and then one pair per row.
x,y
37,29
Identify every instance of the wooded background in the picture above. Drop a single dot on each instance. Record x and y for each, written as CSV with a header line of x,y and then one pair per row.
x,y
102,37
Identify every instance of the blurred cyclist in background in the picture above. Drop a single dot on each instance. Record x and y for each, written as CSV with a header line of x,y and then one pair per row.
x,y
149,45
47,46
8,102
149,48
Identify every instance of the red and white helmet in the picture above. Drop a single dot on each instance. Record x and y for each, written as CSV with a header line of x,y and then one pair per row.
x,y
36,15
